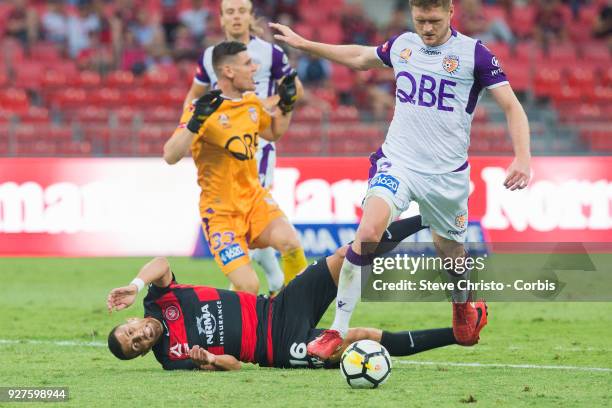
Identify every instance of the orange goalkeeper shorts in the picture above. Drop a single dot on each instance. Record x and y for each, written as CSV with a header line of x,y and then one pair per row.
x,y
229,235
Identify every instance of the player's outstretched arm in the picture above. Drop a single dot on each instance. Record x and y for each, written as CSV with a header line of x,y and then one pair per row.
x,y
157,272
208,361
519,172
178,145
357,57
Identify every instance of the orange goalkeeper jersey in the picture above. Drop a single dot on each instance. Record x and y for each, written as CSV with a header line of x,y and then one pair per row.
x,y
224,154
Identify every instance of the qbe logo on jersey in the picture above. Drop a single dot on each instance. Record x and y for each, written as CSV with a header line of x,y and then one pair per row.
x,y
231,253
385,181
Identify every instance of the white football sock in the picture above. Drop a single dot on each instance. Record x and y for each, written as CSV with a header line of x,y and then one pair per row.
x,y
267,259
349,292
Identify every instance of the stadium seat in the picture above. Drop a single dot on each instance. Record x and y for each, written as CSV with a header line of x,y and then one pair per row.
x,y
85,79
53,79
581,77
105,97
562,55
522,20
546,81
566,94
126,115
92,115
70,98
36,115
342,78
518,73
161,114
119,79
308,113
596,53
140,97
156,79
29,75
45,52
14,100
500,50
344,114
602,95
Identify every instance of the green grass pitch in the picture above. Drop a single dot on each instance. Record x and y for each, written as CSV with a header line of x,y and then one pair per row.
x,y
46,301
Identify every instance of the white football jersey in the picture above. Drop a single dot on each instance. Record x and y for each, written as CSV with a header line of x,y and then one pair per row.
x,y
273,66
437,91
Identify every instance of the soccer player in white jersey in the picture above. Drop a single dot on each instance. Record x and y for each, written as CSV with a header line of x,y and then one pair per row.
x,y
440,76
238,22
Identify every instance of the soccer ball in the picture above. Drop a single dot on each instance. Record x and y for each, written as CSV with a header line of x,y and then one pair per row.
x,y
365,364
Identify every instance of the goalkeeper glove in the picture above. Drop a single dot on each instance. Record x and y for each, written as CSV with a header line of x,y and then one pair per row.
x,y
204,107
287,90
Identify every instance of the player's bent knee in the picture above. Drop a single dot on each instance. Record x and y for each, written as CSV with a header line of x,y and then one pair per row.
x,y
361,333
369,233
250,287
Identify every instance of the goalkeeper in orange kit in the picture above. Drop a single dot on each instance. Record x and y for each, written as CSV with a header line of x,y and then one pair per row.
x,y
222,129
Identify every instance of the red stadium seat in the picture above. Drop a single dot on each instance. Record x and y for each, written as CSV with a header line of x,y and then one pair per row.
x,y
14,100
156,79
546,81
29,75
566,94
562,55
606,78
36,115
92,115
120,79
500,50
308,113
597,53
105,97
330,33
161,114
53,79
518,73
45,52
522,21
602,95
85,79
70,98
342,78
3,79
139,97
344,114
581,77
126,115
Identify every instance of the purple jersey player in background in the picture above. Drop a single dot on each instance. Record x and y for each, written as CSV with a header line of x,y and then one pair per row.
x,y
440,76
237,20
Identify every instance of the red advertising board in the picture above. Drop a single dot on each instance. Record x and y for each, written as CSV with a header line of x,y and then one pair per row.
x,y
125,207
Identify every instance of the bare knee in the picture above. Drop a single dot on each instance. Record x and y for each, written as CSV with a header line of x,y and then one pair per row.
x,y
248,286
362,333
369,233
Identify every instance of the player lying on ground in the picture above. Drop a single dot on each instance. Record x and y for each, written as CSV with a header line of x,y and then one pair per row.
x,y
440,76
222,129
199,327
238,21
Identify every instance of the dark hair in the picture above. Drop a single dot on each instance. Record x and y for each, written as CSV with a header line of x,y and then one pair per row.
x,y
115,347
426,4
225,50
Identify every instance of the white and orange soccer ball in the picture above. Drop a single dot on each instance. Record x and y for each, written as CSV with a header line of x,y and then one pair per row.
x,y
365,364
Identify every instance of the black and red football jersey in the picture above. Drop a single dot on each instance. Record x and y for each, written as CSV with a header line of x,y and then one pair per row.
x,y
221,321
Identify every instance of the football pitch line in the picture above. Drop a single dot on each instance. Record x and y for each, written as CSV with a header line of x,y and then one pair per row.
x,y
72,343
514,366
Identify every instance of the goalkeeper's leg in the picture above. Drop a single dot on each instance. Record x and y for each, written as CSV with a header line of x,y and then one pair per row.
x,y
267,259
